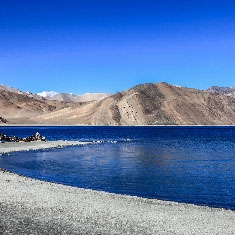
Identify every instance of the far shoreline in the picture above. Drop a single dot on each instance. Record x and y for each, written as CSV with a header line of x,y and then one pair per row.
x,y
59,125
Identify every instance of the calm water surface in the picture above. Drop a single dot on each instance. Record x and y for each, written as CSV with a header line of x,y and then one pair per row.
x,y
185,164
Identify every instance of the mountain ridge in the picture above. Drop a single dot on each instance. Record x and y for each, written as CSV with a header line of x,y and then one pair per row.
x,y
17,106
144,104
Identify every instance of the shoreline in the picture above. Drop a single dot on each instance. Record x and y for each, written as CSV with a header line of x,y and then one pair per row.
x,y
31,206
10,147
74,125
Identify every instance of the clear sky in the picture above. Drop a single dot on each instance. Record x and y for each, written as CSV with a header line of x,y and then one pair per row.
x,y
84,46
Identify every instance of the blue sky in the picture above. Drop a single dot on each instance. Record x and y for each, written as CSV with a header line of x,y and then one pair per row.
x,y
84,46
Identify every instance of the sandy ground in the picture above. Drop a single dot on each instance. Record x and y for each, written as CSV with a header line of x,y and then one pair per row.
x,y
29,206
27,146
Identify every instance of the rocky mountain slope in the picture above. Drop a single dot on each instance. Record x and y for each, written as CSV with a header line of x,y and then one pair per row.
x,y
17,91
147,104
17,106
151,104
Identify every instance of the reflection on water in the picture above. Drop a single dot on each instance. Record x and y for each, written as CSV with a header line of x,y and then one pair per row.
x,y
195,165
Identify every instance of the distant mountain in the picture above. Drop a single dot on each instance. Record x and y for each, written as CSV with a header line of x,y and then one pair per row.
x,y
229,91
17,106
69,97
47,94
146,104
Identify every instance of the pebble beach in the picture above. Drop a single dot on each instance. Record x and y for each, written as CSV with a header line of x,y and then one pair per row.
x,y
29,206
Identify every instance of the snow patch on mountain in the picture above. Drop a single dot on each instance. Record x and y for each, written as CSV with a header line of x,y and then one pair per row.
x,y
48,94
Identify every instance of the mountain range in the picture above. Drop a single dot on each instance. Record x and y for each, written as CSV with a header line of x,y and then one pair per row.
x,y
69,97
145,104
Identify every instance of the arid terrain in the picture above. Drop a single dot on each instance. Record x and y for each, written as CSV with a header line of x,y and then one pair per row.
x,y
18,107
147,104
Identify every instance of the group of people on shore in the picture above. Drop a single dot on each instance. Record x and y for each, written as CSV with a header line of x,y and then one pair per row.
x,y
35,137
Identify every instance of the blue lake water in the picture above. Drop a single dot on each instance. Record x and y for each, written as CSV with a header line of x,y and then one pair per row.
x,y
184,164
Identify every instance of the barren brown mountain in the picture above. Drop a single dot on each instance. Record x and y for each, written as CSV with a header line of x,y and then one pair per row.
x,y
18,107
147,104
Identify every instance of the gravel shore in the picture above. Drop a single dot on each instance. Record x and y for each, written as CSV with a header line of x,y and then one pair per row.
x,y
28,146
29,206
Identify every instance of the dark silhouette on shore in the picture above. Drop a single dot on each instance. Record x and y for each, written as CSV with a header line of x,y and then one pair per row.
x,y
36,137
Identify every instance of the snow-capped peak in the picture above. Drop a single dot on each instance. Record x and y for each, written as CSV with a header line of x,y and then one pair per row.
x,y
46,94
177,86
